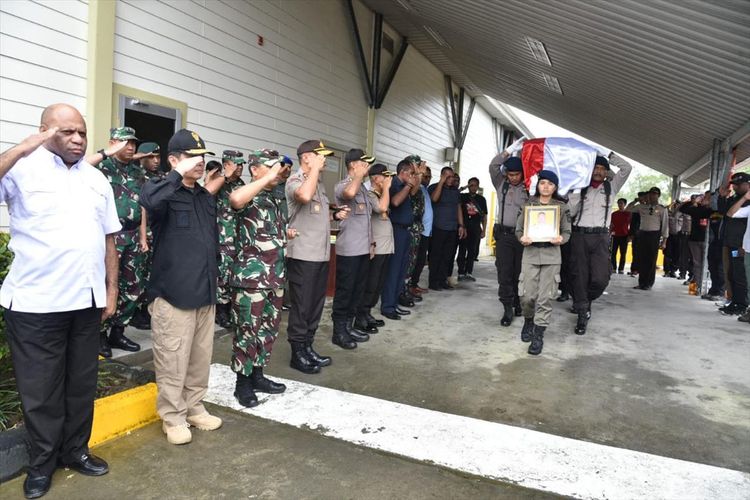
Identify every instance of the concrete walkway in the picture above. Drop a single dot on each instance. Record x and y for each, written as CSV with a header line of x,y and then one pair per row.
x,y
659,372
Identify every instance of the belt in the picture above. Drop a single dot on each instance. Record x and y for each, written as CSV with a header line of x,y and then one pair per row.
x,y
130,225
649,232
505,229
590,230
403,226
542,244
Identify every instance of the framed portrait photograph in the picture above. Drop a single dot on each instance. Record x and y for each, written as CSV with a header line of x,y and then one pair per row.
x,y
541,223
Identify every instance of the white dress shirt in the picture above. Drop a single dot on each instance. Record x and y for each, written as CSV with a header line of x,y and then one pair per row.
x,y
741,213
59,217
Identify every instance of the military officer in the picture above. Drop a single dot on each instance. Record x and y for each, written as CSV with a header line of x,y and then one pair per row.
x,y
308,253
418,207
652,236
126,178
354,248
222,184
149,156
506,172
591,210
257,277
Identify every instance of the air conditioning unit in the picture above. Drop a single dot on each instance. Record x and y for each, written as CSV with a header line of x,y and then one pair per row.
x,y
451,154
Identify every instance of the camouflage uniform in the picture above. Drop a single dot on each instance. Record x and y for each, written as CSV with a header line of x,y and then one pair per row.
x,y
415,231
227,238
257,281
126,181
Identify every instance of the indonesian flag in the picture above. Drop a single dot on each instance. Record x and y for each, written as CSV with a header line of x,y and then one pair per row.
x,y
570,159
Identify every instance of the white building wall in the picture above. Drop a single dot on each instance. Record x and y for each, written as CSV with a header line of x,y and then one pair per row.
x,y
42,61
303,83
415,117
479,148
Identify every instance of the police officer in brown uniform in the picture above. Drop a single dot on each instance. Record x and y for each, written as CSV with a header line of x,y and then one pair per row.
x,y
308,253
652,236
354,248
591,212
506,173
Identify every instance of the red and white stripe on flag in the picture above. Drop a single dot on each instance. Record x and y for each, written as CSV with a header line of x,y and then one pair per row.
x,y
571,159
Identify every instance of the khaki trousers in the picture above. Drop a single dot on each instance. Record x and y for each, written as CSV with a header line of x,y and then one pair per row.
x,y
537,285
183,344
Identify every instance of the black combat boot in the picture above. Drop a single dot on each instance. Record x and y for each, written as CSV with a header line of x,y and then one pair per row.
x,y
527,332
341,335
583,321
321,361
118,339
405,301
263,384
222,315
537,340
141,319
104,350
372,321
356,335
363,326
301,361
564,296
243,391
507,315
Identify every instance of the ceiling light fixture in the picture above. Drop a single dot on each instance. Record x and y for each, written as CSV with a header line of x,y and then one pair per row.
x,y
538,50
552,83
436,36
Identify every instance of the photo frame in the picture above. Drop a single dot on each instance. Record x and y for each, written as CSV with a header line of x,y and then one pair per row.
x,y
541,223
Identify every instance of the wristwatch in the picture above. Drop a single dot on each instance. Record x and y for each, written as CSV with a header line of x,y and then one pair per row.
x,y
104,155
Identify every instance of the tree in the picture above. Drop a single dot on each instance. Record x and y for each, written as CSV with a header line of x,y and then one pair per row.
x,y
643,179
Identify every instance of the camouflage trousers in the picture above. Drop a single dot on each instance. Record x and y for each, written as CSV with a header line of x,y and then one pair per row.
x,y
223,290
415,235
145,266
130,282
256,314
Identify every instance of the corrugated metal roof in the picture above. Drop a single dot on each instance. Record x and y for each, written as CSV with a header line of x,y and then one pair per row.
x,y
655,80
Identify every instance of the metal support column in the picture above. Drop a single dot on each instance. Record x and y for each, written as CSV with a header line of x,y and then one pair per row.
x,y
716,158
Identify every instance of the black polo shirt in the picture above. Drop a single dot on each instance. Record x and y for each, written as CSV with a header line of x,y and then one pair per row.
x,y
185,266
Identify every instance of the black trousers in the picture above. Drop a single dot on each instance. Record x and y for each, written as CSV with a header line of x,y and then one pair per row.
x,y
468,249
374,284
307,295
589,270
685,262
716,268
351,279
619,244
672,254
566,285
648,251
424,245
636,249
55,357
508,255
737,277
442,249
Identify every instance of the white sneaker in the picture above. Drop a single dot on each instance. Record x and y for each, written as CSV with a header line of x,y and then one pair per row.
x,y
177,434
205,422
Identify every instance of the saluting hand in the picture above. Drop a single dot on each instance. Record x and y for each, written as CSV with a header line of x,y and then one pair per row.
x,y
116,148
273,172
35,140
387,182
516,146
187,164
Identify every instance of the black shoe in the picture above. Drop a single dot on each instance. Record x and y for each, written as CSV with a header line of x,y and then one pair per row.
x,y
141,319
321,361
507,318
87,464
358,336
448,286
301,361
243,391
416,298
118,340
582,323
262,384
222,315
641,287
405,301
341,336
517,311
573,310
36,486
527,332
391,315
563,297
732,309
372,321
537,341
403,312
104,350
363,326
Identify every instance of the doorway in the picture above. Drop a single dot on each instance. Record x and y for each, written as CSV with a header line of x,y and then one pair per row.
x,y
152,123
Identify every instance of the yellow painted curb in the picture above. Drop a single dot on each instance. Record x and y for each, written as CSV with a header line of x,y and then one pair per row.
x,y
123,412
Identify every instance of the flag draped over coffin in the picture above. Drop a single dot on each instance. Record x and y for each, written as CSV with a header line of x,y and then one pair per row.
x,y
571,159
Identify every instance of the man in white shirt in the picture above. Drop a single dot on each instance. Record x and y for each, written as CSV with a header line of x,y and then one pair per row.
x,y
741,209
62,283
